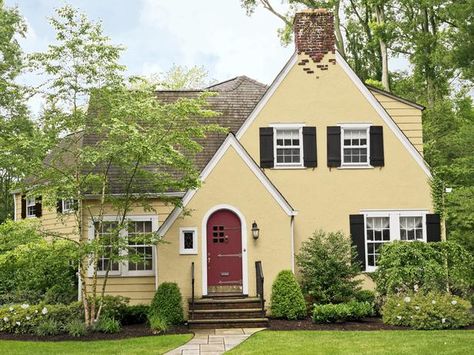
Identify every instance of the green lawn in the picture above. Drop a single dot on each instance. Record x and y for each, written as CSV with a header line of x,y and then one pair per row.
x,y
142,345
369,342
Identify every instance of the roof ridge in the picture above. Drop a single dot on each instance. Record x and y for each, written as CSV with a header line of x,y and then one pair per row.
x,y
237,81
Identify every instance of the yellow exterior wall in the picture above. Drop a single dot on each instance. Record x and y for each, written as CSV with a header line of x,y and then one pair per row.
x,y
406,117
232,183
324,197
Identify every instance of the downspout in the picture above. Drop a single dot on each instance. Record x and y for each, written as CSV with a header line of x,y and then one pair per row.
x,y
292,233
79,288
14,207
156,266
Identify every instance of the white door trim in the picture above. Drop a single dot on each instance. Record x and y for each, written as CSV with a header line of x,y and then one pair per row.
x,y
243,223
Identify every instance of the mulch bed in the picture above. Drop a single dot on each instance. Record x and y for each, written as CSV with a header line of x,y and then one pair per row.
x,y
128,331
307,324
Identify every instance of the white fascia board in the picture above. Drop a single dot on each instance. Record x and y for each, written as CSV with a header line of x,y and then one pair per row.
x,y
383,114
229,141
268,94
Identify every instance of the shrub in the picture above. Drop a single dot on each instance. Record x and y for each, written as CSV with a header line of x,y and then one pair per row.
x,y
24,318
341,312
287,300
48,327
167,304
432,310
76,328
158,324
405,267
365,296
135,314
328,268
114,307
16,233
38,270
107,325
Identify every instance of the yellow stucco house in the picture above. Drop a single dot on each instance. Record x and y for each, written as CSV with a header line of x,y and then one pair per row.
x,y
317,149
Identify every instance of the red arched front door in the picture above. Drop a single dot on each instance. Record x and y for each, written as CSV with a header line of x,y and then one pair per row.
x,y
224,251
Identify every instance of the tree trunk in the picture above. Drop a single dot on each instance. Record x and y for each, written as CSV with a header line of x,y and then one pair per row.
x,y
337,30
380,16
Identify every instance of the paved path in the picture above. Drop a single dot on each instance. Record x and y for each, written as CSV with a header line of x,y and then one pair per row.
x,y
214,341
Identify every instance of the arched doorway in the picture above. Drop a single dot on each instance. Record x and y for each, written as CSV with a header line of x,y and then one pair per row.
x,y
224,252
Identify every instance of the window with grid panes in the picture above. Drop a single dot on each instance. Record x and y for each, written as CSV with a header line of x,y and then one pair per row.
x,y
137,231
106,233
378,232
355,146
288,147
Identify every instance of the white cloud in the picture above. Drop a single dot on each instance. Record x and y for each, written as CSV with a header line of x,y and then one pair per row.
x,y
219,35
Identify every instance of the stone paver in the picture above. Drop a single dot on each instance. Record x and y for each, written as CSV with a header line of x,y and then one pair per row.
x,y
214,341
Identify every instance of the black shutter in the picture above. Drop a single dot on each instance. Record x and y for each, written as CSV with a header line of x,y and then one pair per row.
x,y
38,207
23,206
76,205
59,206
376,146
309,147
334,146
358,236
433,228
266,147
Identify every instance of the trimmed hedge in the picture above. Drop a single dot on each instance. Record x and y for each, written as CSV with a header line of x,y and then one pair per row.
x,y
287,300
427,311
341,312
167,304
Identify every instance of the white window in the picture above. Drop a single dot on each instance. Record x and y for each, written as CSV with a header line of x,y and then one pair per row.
x,y
188,241
68,205
137,231
107,232
31,206
355,146
288,146
383,227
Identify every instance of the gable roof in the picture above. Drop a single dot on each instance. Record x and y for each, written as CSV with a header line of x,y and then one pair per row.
x,y
230,141
364,91
395,97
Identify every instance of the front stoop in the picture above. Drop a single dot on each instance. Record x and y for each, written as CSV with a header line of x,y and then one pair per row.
x,y
225,311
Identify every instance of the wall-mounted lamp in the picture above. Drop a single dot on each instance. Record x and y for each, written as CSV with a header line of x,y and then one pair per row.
x,y
255,230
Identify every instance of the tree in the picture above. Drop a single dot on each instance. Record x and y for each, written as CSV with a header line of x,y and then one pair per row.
x,y
149,144
180,78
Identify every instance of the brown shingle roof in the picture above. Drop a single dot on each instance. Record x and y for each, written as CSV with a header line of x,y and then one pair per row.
x,y
235,100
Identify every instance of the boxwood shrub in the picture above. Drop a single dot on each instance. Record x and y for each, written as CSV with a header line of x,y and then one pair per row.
x,y
341,312
287,300
432,310
167,304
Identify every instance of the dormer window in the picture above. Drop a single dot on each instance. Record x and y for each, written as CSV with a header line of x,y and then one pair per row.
x,y
288,147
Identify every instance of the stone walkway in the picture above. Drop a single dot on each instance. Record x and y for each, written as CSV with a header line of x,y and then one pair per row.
x,y
214,341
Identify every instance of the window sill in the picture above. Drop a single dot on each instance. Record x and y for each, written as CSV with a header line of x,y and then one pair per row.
x,y
349,167
289,167
190,252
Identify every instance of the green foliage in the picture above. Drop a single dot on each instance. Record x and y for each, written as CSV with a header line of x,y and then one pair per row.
x,y
25,318
48,327
432,310
287,300
135,314
181,78
328,268
167,304
404,267
365,296
113,307
158,324
76,328
107,325
16,233
341,312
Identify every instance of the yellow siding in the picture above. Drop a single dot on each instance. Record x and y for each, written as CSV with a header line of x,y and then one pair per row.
x,y
406,117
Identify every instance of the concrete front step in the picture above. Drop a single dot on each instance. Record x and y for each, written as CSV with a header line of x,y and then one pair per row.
x,y
228,323
226,313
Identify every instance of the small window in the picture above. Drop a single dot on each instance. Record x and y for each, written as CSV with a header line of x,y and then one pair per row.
x,y
411,228
355,146
31,206
68,205
288,147
188,241
137,230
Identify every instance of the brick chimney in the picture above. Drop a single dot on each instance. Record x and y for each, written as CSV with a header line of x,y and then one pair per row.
x,y
314,33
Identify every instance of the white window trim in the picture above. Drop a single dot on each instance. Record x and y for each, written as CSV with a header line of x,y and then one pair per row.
x,y
282,126
29,204
192,251
394,216
355,126
123,266
63,203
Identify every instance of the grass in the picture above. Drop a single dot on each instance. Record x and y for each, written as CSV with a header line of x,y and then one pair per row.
x,y
358,342
142,345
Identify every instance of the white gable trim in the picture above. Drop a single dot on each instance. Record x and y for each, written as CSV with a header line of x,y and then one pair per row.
x,y
229,141
383,114
269,93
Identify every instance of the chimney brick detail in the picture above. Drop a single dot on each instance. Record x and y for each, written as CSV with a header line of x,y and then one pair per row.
x,y
314,35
